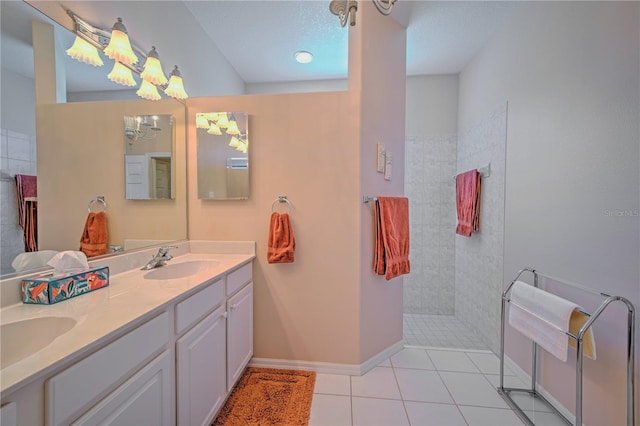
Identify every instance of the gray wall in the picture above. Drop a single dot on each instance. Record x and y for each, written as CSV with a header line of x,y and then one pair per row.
x,y
570,72
430,153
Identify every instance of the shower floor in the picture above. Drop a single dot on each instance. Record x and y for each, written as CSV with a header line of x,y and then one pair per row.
x,y
441,331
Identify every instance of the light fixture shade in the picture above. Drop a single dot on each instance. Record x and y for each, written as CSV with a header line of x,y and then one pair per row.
x,y
121,75
214,130
223,120
83,51
201,121
235,142
148,91
152,71
211,116
119,48
175,89
233,128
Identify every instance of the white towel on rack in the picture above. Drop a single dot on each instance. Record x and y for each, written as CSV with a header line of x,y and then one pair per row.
x,y
544,318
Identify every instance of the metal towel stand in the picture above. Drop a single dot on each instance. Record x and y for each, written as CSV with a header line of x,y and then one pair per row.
x,y
505,392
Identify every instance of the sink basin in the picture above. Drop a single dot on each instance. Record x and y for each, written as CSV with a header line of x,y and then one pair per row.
x,y
20,339
173,271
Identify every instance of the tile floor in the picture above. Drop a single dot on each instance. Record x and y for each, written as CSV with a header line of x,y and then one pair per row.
x,y
440,331
424,386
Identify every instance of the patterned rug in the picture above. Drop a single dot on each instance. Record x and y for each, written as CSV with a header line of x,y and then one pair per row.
x,y
269,396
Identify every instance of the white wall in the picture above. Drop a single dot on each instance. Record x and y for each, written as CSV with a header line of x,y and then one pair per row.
x,y
570,73
296,87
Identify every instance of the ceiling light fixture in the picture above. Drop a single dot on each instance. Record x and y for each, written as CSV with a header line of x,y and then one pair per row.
x,y
303,57
345,10
116,45
138,127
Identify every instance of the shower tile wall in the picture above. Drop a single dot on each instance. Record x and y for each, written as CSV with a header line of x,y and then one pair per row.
x,y
479,258
429,167
17,155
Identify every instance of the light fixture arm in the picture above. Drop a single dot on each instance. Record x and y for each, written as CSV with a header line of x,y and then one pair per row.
x,y
345,10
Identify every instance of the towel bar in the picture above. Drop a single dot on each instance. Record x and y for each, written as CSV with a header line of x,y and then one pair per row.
x,y
505,392
484,171
281,199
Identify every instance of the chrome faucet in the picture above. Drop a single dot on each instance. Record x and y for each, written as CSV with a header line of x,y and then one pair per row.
x,y
160,258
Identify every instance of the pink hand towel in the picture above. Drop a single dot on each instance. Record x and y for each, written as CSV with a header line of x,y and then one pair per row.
x,y
391,256
468,202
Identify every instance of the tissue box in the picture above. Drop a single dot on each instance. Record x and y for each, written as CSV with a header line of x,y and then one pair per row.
x,y
50,290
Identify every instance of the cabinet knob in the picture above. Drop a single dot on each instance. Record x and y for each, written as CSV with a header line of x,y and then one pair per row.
x,y
225,315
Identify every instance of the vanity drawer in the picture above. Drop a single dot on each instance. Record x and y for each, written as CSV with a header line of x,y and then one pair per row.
x,y
74,390
189,311
239,278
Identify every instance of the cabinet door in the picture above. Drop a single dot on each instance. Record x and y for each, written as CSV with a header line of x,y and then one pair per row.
x,y
201,363
144,399
239,333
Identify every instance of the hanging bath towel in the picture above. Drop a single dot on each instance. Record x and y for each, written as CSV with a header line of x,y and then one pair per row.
x,y
282,243
391,255
94,236
26,187
468,192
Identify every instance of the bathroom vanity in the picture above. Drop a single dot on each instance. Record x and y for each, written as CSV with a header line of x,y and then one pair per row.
x,y
157,347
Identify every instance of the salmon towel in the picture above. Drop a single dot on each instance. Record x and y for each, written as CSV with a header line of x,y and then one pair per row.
x,y
391,253
468,202
94,236
281,242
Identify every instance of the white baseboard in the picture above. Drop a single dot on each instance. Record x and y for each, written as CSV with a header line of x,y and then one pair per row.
x,y
328,367
523,375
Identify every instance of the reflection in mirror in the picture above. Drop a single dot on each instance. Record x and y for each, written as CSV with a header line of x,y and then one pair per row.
x,y
223,157
148,157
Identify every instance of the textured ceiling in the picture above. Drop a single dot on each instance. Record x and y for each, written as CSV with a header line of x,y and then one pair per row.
x,y
258,38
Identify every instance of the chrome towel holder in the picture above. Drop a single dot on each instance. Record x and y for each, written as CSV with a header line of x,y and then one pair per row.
x,y
281,199
98,200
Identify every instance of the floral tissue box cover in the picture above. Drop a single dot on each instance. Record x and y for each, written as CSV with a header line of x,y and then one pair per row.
x,y
50,290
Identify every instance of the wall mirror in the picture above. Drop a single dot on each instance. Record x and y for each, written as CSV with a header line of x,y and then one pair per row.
x,y
148,157
79,152
223,155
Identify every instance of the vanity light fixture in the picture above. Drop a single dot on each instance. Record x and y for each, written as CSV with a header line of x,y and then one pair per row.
x,y
119,48
122,75
148,91
116,45
223,120
345,10
153,69
232,129
83,51
201,121
175,88
303,57
138,127
214,130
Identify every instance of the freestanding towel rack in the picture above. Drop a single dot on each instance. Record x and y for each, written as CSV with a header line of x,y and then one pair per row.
x,y
505,392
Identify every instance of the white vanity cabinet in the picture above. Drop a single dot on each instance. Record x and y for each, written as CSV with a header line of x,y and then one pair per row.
x,y
240,333
174,366
201,358
108,380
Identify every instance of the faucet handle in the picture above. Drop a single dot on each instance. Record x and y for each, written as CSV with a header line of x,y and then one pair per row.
x,y
162,251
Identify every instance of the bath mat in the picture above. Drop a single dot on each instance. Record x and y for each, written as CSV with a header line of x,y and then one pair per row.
x,y
269,396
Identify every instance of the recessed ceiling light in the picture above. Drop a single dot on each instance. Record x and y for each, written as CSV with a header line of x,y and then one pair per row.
x,y
303,56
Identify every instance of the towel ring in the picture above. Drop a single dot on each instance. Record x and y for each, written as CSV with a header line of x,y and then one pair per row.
x,y
99,199
281,199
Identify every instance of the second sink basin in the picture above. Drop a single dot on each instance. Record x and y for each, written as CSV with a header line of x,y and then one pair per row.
x,y
20,339
179,270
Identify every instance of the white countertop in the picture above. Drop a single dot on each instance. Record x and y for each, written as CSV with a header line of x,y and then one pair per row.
x,y
103,314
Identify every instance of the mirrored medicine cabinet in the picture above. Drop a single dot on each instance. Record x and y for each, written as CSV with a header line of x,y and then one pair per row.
x,y
148,158
223,155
